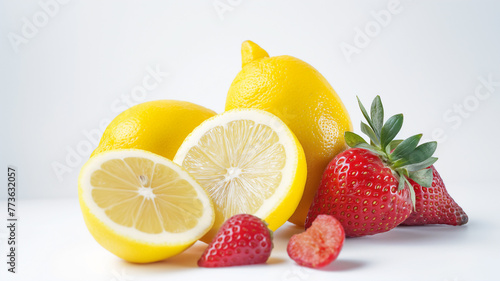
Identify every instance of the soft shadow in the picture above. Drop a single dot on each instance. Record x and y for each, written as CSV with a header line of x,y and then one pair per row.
x,y
273,260
429,233
283,234
186,259
343,265
287,231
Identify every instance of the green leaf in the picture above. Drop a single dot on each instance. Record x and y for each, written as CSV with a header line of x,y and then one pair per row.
x,y
394,144
365,113
422,153
405,147
369,132
422,177
402,171
422,165
402,180
412,194
399,163
353,139
388,149
377,114
371,148
391,129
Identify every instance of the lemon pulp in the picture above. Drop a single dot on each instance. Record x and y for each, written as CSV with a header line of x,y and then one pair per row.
x,y
141,206
240,165
249,162
138,193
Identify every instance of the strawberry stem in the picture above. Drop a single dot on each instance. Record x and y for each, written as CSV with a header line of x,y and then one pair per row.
x,y
406,158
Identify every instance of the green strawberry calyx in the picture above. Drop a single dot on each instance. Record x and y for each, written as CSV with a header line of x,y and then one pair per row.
x,y
406,158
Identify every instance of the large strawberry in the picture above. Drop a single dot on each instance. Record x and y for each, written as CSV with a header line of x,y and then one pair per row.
x,y
366,187
434,205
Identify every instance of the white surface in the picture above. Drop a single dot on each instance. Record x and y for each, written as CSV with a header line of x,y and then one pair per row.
x,y
79,70
54,244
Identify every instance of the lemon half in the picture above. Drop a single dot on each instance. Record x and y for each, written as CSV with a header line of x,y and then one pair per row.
x,y
248,161
142,207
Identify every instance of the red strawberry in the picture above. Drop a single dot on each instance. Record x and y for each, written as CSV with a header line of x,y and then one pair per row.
x,y
434,205
362,193
367,187
242,239
319,245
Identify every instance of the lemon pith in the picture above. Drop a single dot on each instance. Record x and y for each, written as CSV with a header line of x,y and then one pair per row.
x,y
299,95
248,161
142,207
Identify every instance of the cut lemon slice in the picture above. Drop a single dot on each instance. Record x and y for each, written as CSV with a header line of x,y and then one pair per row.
x,y
142,207
249,162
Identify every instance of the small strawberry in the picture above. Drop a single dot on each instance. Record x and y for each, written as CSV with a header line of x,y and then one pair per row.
x,y
434,205
319,245
366,187
242,239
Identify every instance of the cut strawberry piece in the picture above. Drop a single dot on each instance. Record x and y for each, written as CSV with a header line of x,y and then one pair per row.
x,y
319,245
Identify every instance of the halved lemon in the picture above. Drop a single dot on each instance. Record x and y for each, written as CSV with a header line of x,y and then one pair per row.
x,y
249,162
142,207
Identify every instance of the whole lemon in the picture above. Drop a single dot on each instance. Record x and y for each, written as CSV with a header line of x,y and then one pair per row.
x,y
300,96
157,126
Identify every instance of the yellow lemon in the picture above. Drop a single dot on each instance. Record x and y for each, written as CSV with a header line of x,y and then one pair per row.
x,y
299,95
249,162
156,126
142,207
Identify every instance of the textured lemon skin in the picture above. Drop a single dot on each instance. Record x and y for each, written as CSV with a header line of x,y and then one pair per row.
x,y
299,95
156,126
125,247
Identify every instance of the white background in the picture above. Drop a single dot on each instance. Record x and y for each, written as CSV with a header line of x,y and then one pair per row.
x,y
72,73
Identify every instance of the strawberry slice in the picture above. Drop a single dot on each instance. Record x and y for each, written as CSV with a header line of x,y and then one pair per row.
x,y
319,245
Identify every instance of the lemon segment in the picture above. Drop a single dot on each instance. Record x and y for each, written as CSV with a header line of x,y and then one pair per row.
x,y
141,206
248,161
